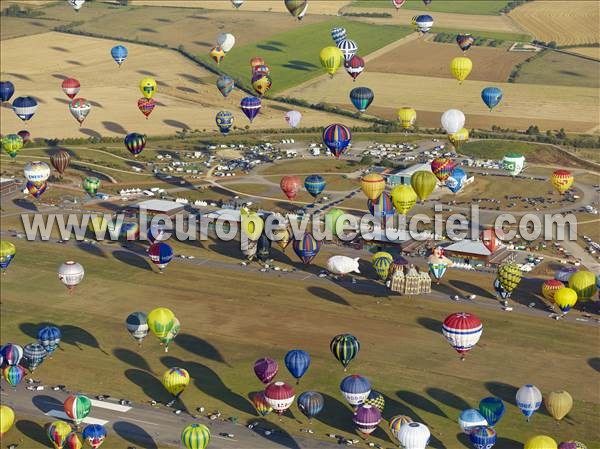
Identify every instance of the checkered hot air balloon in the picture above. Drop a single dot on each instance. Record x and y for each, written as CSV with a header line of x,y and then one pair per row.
x,y
462,330
509,275
338,34
376,399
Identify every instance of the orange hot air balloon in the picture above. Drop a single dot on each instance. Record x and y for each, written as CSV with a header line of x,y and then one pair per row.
x,y
550,287
372,185
256,61
562,180
217,54
290,185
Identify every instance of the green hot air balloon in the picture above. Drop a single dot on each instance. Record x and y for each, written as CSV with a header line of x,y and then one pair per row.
x,y
584,284
331,219
195,436
423,183
12,144
91,185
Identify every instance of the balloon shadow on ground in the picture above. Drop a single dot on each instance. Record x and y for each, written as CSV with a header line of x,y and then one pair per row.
x,y
93,250
76,336
150,385
448,398
114,127
147,30
188,90
336,415
594,363
60,76
73,62
90,132
503,391
33,430
444,289
176,124
134,434
31,329
299,65
132,358
464,439
132,259
368,287
62,100
506,443
471,289
269,47
279,435
420,402
203,44
209,382
200,347
45,403
327,295
192,78
146,73
430,324
18,75
63,49
25,204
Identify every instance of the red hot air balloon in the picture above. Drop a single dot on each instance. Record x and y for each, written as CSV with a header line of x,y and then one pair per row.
x,y
355,66
146,106
462,330
25,135
442,168
265,369
280,396
70,87
60,161
290,185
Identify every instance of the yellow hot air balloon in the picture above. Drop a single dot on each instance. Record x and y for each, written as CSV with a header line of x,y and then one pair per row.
x,y
565,298
584,284
331,59
282,237
562,180
540,442
7,418
217,54
175,380
459,138
461,68
381,262
252,224
423,182
404,198
559,404
57,432
372,185
407,117
148,87
160,322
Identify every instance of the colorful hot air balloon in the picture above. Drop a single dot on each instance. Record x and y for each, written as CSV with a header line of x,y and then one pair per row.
x,y
310,403
280,396
355,389
381,262
462,330
529,400
297,8
345,348
349,48
196,436
396,423
36,172
509,275
7,89
256,61
461,68
407,117
224,120
297,362
492,409
565,298
459,138
175,380
483,437
354,66
464,41
564,273
293,118
282,236
135,143
7,419
70,87
361,98
12,144
437,270
491,96
35,354
456,180
423,183
260,403
11,354
119,54
7,254
559,404
306,248
584,284
331,59
160,322
550,287
71,274
398,3
148,87
562,180
376,399
36,190
160,254
469,419
137,326
382,208
290,185
338,34
314,184
372,185
94,435
453,120
423,23
77,407
261,83
366,419
225,84
404,198
571,445
73,441
58,432
49,337
266,369
336,138
13,374
146,106
251,107
442,168
80,108
25,107
513,163
173,332
414,435
60,160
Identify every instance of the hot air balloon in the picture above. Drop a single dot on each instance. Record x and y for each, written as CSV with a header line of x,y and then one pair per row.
x,y
160,254
280,396
423,23
372,185
572,445
80,108
453,120
361,98
252,224
148,87
461,68
77,407
73,441
559,404
349,48
282,236
237,3
331,220
562,180
381,262
338,34
584,284
437,270
35,354
404,198
337,137
414,435
7,419
225,84
251,107
529,400
564,273
509,275
458,139
345,348
492,409
260,403
396,423
119,54
500,292
263,247
11,354
456,180
290,185
25,135
540,442
60,161
25,107
355,389
462,330
464,41
491,96
12,144
71,274
407,117
266,369
7,89
94,435
398,3
173,332
469,419
314,184
310,404
423,183
137,326
135,143
224,120
366,419
13,374
175,380
565,298
36,190
226,41
293,118
297,8
550,287
70,87
58,432
160,322
49,337
297,362
249,249
262,69
382,207
196,436
306,248
331,59
483,437
146,106
256,61
376,399
513,163
261,83
354,66
7,254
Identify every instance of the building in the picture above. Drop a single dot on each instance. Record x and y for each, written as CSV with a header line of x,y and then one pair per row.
x,y
476,252
8,186
403,176
157,207
409,280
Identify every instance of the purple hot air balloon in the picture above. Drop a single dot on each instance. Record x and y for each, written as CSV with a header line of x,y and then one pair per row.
x,y
367,418
265,369
251,107
11,353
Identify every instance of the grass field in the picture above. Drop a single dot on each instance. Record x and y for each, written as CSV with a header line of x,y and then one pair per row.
x,y
477,7
564,22
496,149
308,166
593,52
553,68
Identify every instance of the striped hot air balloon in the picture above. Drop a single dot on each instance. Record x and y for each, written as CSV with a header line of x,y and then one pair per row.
x,y
396,422
135,143
361,98
11,354
310,403
13,374
482,437
462,330
77,407
442,168
280,396
492,409
382,207
60,161
345,348
372,185
314,184
367,418
307,248
175,380
260,403
381,262
49,337
25,107
70,87
57,433
337,138
195,436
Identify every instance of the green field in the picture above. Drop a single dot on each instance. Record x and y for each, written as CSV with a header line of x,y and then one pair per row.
x,y
311,166
490,35
476,7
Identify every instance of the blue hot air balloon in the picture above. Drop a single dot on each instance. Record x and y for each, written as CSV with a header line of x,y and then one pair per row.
x,y
456,180
337,137
225,84
297,362
356,389
119,54
361,98
314,184
160,254
382,207
251,107
49,337
7,89
310,403
469,419
338,34
491,96
500,292
35,354
94,434
492,409
307,248
25,107
224,120
483,437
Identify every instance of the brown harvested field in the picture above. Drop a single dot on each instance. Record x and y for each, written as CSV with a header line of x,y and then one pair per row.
x,y
11,27
318,7
187,94
565,22
489,64
592,52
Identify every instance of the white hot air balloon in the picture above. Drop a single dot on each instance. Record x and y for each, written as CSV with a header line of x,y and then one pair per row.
x,y
293,118
529,399
71,274
470,418
36,172
453,121
76,4
226,41
414,435
237,3
343,265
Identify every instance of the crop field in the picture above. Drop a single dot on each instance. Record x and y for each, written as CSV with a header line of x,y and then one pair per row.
x,y
592,52
564,22
475,7
534,153
553,68
308,166
11,27
489,64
